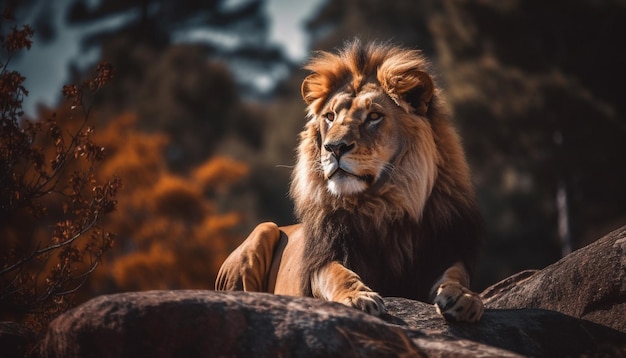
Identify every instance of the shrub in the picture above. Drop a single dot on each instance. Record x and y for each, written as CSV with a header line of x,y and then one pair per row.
x,y
51,202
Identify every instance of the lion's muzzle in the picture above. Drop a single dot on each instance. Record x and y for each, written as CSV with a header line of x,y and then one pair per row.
x,y
338,149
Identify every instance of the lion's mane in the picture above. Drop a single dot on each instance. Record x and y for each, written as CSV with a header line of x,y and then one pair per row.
x,y
402,233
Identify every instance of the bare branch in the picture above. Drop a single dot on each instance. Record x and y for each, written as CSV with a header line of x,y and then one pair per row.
x,y
49,248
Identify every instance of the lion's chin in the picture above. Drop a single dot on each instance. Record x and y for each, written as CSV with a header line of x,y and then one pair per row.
x,y
345,185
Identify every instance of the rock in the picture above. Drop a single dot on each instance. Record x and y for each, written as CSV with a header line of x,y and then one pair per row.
x,y
15,339
192,323
589,283
239,324
524,332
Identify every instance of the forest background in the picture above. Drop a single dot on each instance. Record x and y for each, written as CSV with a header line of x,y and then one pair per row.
x,y
201,119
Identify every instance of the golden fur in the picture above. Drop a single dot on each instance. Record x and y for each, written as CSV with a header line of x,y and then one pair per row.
x,y
381,188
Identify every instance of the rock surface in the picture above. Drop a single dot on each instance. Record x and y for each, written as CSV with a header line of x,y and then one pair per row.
x,y
530,314
208,324
525,332
589,283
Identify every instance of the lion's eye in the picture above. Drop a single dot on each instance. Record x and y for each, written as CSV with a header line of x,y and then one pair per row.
x,y
374,117
330,116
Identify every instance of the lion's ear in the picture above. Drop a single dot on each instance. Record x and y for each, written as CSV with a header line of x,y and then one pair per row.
x,y
312,88
414,87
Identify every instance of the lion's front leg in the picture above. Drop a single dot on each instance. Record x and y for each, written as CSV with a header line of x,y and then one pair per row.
x,y
334,282
248,267
454,300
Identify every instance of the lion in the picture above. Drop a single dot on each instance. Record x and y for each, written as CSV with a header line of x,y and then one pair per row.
x,y
381,189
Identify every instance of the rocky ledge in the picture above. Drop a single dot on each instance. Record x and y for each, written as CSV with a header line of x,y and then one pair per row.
x,y
238,324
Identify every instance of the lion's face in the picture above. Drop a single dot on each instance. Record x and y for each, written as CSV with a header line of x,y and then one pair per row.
x,y
359,139
369,142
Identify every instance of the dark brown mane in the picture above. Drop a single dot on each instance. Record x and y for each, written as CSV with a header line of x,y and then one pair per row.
x,y
413,254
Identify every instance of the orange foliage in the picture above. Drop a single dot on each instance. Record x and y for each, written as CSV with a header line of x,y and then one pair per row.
x,y
155,266
219,173
132,154
169,233
55,189
174,196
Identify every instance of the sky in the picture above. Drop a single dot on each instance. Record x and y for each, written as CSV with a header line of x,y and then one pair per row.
x,y
45,66
287,21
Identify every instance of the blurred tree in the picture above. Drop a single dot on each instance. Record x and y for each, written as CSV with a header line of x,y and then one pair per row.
x,y
403,22
219,40
51,204
198,71
174,234
536,123
177,59
179,214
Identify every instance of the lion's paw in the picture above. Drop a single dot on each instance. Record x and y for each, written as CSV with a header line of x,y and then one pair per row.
x,y
367,301
457,303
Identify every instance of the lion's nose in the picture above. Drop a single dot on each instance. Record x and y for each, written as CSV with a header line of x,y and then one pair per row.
x,y
338,149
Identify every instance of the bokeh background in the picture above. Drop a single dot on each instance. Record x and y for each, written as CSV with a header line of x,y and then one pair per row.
x,y
201,119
